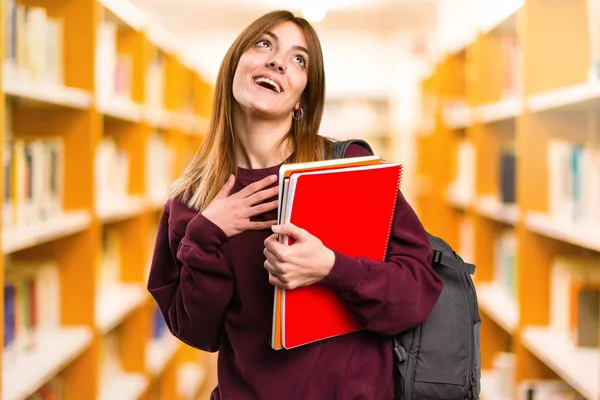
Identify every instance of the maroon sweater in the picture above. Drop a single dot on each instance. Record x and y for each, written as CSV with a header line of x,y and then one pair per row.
x,y
215,295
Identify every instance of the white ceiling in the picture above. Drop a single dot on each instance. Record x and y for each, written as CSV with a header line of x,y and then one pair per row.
x,y
193,19
358,36
189,19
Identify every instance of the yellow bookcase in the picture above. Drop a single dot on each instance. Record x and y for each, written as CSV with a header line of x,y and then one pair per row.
x,y
520,103
99,114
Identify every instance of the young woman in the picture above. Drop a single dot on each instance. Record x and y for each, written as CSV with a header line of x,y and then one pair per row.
x,y
216,260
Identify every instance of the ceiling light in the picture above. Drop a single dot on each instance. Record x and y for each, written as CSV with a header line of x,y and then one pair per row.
x,y
313,12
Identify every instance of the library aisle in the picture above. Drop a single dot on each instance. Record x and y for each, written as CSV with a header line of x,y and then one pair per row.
x,y
509,165
100,113
101,110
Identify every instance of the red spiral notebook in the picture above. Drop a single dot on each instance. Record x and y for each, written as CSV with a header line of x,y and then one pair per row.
x,y
351,210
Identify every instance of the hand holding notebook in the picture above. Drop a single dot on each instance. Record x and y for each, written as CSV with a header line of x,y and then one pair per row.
x,y
348,204
305,263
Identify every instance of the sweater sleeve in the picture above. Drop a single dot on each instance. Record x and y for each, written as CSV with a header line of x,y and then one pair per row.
x,y
191,281
396,294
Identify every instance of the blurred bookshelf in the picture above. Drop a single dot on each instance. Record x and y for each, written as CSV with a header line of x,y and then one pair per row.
x,y
365,117
509,170
100,112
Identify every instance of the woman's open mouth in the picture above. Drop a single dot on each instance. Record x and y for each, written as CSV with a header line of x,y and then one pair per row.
x,y
268,84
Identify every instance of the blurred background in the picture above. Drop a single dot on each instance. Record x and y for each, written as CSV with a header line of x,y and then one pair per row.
x,y
492,106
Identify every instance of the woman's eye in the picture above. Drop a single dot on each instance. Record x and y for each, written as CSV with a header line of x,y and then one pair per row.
x,y
300,60
264,44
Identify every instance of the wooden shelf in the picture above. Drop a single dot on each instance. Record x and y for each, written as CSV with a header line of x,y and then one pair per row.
x,y
571,98
500,111
54,350
458,117
122,110
489,389
155,203
579,367
500,15
55,228
128,386
490,207
106,70
127,13
46,93
519,93
115,303
159,352
121,209
161,119
458,197
497,304
586,237
190,378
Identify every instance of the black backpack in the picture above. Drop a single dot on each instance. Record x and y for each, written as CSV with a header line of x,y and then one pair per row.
x,y
439,359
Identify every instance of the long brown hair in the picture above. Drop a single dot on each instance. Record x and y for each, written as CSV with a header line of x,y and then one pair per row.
x,y
216,158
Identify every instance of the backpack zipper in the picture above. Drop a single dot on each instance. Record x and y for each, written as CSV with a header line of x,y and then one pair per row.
x,y
468,294
472,299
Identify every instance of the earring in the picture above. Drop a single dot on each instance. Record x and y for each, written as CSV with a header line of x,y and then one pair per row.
x,y
298,113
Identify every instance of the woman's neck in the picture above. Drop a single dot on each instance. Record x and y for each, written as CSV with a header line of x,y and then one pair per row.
x,y
257,140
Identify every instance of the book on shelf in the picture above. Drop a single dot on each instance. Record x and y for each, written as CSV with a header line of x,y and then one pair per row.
x,y
160,161
505,262
507,176
33,181
31,305
574,182
34,44
575,299
114,69
349,205
112,166
543,389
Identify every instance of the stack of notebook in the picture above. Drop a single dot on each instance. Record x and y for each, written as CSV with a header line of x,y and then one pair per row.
x,y
349,205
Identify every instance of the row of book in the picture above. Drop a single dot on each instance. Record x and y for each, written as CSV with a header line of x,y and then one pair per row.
x,y
34,53
33,43
574,182
112,173
114,69
573,179
108,266
31,305
574,290
51,390
33,174
575,299
501,383
33,181
155,82
114,74
505,262
110,365
160,166
463,182
111,347
510,64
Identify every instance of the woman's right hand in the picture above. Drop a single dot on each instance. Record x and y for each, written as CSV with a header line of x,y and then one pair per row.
x,y
232,213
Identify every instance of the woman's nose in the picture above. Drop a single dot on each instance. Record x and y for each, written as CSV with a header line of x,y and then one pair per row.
x,y
276,65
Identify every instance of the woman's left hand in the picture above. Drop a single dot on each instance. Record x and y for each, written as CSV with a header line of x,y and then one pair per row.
x,y
305,262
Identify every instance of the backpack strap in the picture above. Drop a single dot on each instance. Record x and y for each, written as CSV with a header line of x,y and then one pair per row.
x,y
448,260
339,147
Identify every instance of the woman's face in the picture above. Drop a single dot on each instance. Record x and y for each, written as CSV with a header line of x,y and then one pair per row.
x,y
272,74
